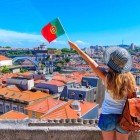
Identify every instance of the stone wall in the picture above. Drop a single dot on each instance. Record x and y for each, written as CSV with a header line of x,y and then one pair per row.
x,y
69,129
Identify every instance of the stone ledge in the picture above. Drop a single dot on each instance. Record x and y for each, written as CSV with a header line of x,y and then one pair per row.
x,y
20,130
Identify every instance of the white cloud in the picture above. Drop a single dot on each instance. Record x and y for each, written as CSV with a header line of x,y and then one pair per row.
x,y
8,35
59,42
82,43
19,39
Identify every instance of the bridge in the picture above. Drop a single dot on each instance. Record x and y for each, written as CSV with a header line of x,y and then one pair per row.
x,y
35,63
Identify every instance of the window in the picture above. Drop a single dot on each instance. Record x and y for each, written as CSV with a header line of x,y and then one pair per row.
x,y
14,108
80,96
1,108
22,109
7,108
33,114
72,95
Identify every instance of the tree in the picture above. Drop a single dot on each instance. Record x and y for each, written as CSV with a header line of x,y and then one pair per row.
x,y
65,50
67,60
8,47
5,69
57,69
23,70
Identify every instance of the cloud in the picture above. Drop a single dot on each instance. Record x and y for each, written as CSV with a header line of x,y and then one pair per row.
x,y
27,40
8,35
82,43
19,39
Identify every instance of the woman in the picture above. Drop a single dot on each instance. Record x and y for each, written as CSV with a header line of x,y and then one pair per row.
x,y
118,82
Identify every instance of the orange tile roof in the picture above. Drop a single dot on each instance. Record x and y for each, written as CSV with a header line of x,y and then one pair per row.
x,y
39,81
16,93
4,77
55,82
45,105
136,65
13,115
2,57
60,78
28,73
66,111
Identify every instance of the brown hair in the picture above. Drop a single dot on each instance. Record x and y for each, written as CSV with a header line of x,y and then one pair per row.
x,y
119,85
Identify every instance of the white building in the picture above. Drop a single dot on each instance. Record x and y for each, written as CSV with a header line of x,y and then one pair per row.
x,y
5,61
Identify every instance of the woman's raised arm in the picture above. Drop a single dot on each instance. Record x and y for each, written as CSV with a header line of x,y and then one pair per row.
x,y
90,61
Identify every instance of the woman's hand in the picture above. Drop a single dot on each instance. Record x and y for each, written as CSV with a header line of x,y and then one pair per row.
x,y
73,45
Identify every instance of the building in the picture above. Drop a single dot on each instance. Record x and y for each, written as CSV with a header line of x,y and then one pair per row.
x,y
13,115
79,92
12,98
137,79
54,86
5,61
89,81
72,110
39,108
21,82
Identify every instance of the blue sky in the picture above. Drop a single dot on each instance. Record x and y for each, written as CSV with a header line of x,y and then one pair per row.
x,y
87,22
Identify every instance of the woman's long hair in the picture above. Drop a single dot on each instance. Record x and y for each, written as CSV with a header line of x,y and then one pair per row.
x,y
119,85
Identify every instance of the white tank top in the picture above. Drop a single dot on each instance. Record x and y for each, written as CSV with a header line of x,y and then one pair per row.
x,y
111,106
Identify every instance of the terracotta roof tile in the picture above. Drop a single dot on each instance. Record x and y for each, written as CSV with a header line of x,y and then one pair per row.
x,y
66,111
14,115
55,82
45,105
15,93
4,58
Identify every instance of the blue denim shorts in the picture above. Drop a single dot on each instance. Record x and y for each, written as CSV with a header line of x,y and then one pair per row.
x,y
109,122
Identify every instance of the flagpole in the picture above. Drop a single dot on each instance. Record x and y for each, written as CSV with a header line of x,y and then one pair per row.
x,y
64,29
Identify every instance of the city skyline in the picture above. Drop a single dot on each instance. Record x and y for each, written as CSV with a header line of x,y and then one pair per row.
x,y
87,22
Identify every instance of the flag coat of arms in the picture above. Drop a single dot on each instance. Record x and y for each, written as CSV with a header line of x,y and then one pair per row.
x,y
52,30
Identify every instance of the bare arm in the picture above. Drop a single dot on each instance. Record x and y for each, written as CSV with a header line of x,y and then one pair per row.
x,y
90,61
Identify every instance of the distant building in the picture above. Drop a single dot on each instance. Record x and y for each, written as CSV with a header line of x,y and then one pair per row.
x,y
41,47
79,93
54,86
21,82
138,80
41,57
132,46
5,61
91,81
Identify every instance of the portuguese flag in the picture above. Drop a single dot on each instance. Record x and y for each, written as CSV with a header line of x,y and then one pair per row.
x,y
52,30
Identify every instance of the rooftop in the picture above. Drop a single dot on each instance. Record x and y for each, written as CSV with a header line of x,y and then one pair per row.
x,y
15,93
4,58
13,115
65,111
45,105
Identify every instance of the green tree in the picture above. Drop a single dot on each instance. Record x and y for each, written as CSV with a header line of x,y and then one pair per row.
x,y
67,60
23,70
5,69
65,50
8,47
57,69
51,48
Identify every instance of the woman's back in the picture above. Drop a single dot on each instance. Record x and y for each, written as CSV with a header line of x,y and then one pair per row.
x,y
112,106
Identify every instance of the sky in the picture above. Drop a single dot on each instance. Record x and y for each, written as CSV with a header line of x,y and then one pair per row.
x,y
86,22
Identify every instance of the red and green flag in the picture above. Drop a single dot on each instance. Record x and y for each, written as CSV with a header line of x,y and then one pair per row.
x,y
52,30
